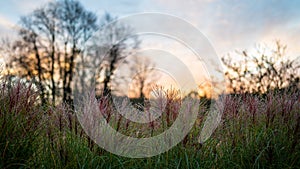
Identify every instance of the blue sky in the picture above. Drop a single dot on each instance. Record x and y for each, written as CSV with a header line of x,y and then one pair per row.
x,y
228,24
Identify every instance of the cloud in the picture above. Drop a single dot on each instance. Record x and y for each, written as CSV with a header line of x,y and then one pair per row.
x,y
288,35
116,7
229,24
5,22
6,27
233,24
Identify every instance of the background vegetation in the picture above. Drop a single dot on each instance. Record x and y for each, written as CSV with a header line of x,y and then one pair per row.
x,y
255,132
260,126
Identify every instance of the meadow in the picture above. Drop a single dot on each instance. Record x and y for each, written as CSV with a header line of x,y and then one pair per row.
x,y
256,131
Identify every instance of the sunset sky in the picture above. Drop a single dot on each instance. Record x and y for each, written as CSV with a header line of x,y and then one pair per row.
x,y
228,24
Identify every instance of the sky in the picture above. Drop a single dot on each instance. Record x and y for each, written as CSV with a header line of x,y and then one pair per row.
x,y
229,25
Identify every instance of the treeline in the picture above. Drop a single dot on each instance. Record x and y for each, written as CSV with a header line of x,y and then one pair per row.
x,y
265,69
62,47
61,40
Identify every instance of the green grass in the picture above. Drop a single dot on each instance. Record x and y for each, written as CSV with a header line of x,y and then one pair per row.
x,y
255,132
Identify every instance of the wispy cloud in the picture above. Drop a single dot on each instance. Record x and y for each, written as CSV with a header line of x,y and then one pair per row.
x,y
6,27
229,24
233,24
5,22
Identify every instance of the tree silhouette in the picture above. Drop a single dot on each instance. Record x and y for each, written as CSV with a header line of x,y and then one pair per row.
x,y
28,58
110,46
143,72
267,69
77,25
50,40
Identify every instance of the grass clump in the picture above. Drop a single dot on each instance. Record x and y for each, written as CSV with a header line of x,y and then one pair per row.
x,y
256,131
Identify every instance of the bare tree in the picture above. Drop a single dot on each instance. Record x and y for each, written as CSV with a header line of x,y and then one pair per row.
x,y
29,60
52,45
144,75
76,27
267,69
114,42
44,23
63,23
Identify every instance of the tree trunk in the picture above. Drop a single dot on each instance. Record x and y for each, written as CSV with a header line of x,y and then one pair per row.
x,y
108,74
39,67
65,73
52,69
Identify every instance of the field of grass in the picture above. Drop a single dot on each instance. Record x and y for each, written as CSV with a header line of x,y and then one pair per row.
x,y
255,132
